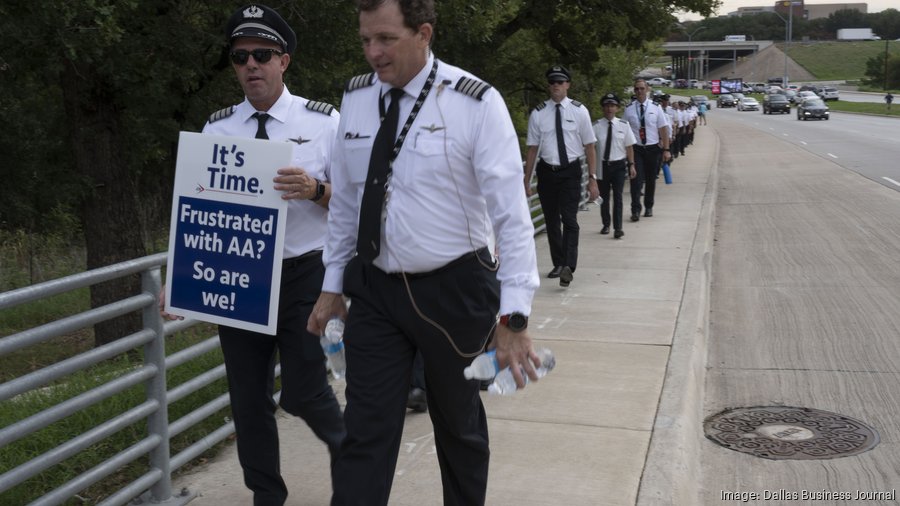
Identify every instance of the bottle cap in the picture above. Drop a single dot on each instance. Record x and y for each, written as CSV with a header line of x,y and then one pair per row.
x,y
469,372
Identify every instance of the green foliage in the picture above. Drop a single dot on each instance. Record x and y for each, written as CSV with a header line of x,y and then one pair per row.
x,y
881,76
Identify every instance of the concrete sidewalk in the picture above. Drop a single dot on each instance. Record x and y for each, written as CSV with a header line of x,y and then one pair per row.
x,y
628,335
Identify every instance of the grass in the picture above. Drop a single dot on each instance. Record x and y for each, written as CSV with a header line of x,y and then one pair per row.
x,y
866,108
837,61
27,259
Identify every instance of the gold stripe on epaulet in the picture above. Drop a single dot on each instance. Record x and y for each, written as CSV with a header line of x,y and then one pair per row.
x,y
360,81
472,87
221,114
322,107
540,106
576,103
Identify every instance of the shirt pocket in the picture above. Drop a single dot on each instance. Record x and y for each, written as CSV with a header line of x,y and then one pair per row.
x,y
427,164
357,153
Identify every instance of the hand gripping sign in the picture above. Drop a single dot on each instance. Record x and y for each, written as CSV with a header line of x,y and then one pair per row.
x,y
227,231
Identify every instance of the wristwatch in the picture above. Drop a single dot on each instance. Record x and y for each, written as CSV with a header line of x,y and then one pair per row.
x,y
320,191
593,176
516,322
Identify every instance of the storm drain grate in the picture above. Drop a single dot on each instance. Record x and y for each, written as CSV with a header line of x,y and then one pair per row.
x,y
782,432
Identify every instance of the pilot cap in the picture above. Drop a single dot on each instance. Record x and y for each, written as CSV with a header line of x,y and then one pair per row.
x,y
261,22
610,98
558,73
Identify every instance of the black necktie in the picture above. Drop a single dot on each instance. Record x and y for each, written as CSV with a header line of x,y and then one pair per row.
x,y
608,147
261,118
368,241
560,142
643,131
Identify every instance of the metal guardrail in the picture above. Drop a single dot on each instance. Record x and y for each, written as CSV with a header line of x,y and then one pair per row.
x,y
534,203
154,486
156,483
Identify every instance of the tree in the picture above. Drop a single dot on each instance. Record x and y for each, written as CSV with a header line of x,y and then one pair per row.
x,y
846,18
886,24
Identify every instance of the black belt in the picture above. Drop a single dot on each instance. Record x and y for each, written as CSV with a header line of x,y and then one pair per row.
x,y
472,255
557,168
614,162
648,147
292,262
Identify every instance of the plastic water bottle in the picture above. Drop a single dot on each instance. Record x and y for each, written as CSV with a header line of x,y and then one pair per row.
x,y
485,367
333,346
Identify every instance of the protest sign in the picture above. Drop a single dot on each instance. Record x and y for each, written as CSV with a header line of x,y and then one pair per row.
x,y
227,231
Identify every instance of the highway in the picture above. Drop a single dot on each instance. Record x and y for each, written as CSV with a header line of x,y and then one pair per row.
x,y
804,297
868,145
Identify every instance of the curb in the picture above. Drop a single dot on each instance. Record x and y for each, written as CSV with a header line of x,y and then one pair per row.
x,y
672,467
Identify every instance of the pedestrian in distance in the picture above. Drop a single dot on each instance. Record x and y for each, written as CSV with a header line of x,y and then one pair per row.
x,y
426,166
559,135
888,99
616,162
260,47
648,124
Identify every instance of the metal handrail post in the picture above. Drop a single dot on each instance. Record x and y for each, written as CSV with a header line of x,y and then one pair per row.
x,y
158,421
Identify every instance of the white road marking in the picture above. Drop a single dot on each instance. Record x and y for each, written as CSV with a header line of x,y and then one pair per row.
x,y
803,142
829,154
891,180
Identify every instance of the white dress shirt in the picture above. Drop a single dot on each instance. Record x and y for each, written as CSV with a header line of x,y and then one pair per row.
x,y
654,119
456,181
576,126
622,138
312,135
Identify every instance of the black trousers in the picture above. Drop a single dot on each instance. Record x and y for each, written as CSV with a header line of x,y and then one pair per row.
x,y
382,335
614,175
560,193
305,392
646,163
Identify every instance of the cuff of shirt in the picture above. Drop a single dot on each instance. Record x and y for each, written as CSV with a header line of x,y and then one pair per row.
x,y
516,299
334,280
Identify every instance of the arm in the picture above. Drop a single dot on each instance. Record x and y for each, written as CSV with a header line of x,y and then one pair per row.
x,y
591,154
530,159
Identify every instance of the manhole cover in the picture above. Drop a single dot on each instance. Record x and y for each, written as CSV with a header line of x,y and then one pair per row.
x,y
781,432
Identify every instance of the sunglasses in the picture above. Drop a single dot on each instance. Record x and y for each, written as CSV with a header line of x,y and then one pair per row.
x,y
555,82
242,56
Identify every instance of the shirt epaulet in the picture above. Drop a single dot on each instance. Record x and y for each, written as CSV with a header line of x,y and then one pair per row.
x,y
360,81
540,106
576,103
472,87
221,114
322,107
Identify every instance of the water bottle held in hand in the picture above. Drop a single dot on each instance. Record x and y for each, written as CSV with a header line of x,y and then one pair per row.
x,y
485,367
333,346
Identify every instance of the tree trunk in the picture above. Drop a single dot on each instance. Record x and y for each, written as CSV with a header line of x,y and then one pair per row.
x,y
109,215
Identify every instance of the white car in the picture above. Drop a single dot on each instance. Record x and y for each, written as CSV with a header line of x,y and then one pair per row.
x,y
659,81
748,104
829,93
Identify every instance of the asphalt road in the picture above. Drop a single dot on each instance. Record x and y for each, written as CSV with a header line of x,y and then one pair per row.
x,y
868,145
858,96
805,294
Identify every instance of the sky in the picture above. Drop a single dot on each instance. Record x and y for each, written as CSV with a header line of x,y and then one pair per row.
x,y
732,5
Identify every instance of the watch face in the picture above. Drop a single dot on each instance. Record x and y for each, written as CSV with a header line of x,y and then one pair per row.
x,y
517,322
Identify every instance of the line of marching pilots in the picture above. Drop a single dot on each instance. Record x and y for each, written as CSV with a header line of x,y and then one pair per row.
x,y
651,132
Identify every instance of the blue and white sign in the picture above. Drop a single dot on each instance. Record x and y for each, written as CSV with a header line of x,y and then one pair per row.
x,y
226,236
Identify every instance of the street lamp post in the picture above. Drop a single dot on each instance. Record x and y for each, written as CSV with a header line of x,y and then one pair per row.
x,y
690,59
788,35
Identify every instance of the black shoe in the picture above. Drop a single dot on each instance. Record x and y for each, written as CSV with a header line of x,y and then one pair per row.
x,y
417,400
618,234
555,272
635,217
648,213
565,277
604,230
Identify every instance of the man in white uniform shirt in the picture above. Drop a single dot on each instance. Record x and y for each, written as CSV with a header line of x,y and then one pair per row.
x,y
559,134
261,44
419,214
648,124
616,162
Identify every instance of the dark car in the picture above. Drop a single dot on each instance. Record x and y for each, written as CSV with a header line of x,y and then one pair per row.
x,y
812,108
776,102
725,100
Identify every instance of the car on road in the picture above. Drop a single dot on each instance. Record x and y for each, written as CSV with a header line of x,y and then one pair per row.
x,y
725,100
748,104
803,95
776,102
659,81
737,97
812,108
791,96
829,93
759,87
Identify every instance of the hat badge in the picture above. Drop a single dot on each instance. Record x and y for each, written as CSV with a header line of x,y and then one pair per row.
x,y
253,12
